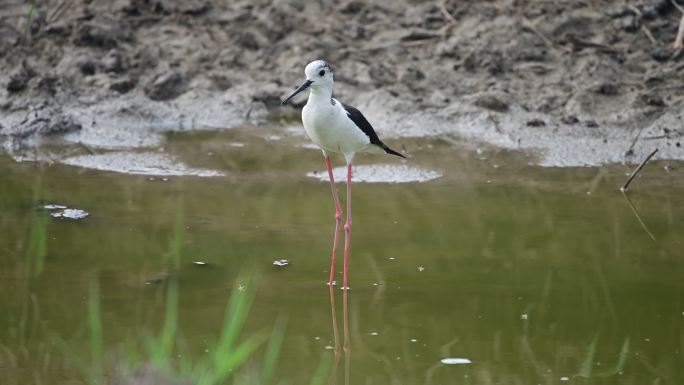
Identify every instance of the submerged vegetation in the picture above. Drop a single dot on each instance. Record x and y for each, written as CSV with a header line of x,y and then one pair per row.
x,y
164,355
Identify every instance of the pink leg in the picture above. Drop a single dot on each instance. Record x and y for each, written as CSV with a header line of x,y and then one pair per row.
x,y
338,218
347,227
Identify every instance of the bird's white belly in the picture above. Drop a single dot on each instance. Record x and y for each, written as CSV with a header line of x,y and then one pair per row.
x,y
332,130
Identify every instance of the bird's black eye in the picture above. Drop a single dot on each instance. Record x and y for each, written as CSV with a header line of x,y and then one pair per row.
x,y
322,72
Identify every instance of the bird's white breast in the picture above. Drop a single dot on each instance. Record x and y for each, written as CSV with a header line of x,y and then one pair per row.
x,y
328,126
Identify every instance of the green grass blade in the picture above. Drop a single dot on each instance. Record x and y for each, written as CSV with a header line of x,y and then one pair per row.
x,y
235,316
31,7
163,351
41,243
322,371
588,363
227,361
95,323
168,334
620,364
177,240
37,246
273,351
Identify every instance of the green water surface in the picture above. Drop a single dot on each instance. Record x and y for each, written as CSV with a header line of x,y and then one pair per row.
x,y
536,275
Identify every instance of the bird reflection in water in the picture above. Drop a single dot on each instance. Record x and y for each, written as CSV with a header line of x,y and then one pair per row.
x,y
346,346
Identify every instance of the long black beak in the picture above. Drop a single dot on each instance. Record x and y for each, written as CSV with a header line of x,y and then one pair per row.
x,y
299,89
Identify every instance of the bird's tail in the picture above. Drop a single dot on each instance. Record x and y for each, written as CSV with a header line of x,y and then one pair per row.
x,y
390,151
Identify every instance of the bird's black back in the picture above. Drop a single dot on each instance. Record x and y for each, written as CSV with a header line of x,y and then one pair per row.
x,y
361,122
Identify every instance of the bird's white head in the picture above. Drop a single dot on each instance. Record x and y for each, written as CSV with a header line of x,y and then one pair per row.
x,y
319,76
320,73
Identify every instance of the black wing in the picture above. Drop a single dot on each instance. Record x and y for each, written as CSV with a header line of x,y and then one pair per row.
x,y
361,122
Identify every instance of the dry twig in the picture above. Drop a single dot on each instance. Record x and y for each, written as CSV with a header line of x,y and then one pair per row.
x,y
451,20
649,35
636,171
87,148
643,28
529,26
630,150
679,40
581,43
445,12
678,44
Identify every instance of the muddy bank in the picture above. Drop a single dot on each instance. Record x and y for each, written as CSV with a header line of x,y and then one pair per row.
x,y
579,81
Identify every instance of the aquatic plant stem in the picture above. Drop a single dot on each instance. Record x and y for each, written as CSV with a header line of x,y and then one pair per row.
x,y
338,219
347,228
636,171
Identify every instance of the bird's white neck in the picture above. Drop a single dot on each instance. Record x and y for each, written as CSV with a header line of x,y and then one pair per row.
x,y
319,94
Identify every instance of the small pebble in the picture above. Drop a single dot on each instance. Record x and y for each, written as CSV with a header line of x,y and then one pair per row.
x,y
659,54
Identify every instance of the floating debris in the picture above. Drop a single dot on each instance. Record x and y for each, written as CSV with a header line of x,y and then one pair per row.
x,y
455,361
281,262
374,333
565,378
54,207
421,268
70,214
200,263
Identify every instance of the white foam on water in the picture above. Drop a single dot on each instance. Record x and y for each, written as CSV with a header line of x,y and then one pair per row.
x,y
142,163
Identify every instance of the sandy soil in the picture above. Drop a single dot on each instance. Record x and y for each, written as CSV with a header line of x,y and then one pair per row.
x,y
586,82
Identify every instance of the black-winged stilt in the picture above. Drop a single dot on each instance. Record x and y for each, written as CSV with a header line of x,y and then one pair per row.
x,y
336,127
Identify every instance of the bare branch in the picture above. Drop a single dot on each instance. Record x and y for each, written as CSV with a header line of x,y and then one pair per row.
x,y
636,171
445,12
679,40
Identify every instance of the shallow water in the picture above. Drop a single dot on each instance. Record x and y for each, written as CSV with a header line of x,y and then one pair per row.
x,y
496,272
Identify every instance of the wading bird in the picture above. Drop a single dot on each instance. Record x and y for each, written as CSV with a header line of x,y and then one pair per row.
x,y
336,127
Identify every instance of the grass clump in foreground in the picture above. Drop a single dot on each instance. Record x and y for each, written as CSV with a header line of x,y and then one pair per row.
x,y
162,357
